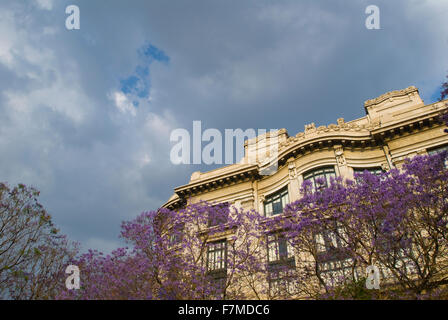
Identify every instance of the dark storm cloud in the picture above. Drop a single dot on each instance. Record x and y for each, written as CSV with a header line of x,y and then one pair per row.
x,y
87,121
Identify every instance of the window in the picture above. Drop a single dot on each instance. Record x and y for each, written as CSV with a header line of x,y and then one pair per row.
x,y
278,249
329,241
217,264
334,272
404,262
438,150
372,170
320,178
333,262
216,256
176,234
220,214
398,256
274,204
281,283
281,264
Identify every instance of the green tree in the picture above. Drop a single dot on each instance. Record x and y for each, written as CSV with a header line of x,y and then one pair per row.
x,y
33,255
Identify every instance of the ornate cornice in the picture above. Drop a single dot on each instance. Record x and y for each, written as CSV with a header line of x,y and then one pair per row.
x,y
389,95
311,132
365,132
267,135
240,173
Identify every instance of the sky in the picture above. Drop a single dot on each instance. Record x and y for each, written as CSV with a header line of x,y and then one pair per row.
x,y
86,115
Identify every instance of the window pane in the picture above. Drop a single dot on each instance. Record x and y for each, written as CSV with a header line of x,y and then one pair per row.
x,y
283,249
321,175
273,250
277,207
320,243
332,238
372,170
438,150
216,256
275,203
268,208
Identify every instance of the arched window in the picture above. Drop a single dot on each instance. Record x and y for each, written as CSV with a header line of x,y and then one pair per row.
x,y
320,177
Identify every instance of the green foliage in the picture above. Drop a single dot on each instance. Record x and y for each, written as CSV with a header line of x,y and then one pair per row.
x,y
355,290
33,255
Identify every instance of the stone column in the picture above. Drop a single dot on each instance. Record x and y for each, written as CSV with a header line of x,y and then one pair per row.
x,y
388,156
293,186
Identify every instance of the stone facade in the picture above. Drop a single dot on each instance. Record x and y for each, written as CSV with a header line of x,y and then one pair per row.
x,y
397,125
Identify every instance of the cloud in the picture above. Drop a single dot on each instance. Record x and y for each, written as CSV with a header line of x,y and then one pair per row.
x,y
122,103
87,114
45,4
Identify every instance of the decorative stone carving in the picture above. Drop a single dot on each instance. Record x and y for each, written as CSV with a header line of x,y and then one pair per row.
x,y
292,169
390,95
311,131
195,175
309,128
339,153
322,129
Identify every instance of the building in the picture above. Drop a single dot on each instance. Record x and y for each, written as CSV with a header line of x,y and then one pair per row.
x,y
397,125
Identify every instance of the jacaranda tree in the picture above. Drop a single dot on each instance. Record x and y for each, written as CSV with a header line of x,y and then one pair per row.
x,y
33,254
178,255
396,220
320,247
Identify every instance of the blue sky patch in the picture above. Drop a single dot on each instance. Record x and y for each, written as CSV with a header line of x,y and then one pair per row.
x,y
153,53
138,84
436,95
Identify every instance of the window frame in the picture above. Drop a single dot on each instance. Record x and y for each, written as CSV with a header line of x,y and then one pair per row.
x,y
282,251
320,172
373,170
174,237
278,275
437,150
281,194
331,261
212,249
376,170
